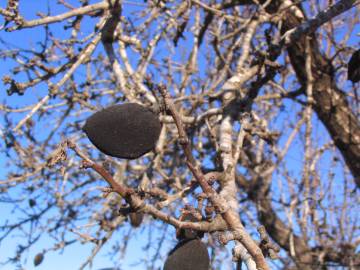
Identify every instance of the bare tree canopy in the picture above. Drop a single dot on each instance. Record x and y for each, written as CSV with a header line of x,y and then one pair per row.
x,y
237,113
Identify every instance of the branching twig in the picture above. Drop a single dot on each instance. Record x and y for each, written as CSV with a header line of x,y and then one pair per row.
x,y
219,203
324,16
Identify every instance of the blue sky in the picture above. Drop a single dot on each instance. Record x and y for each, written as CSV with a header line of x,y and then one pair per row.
x,y
75,255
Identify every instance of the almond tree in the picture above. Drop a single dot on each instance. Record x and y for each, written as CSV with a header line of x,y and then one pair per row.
x,y
259,140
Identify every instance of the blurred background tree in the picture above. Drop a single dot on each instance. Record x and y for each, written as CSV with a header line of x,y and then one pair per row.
x,y
255,108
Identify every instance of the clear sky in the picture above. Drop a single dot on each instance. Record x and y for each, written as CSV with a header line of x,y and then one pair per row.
x,y
75,254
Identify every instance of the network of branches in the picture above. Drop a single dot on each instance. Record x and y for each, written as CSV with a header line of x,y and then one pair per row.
x,y
260,132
